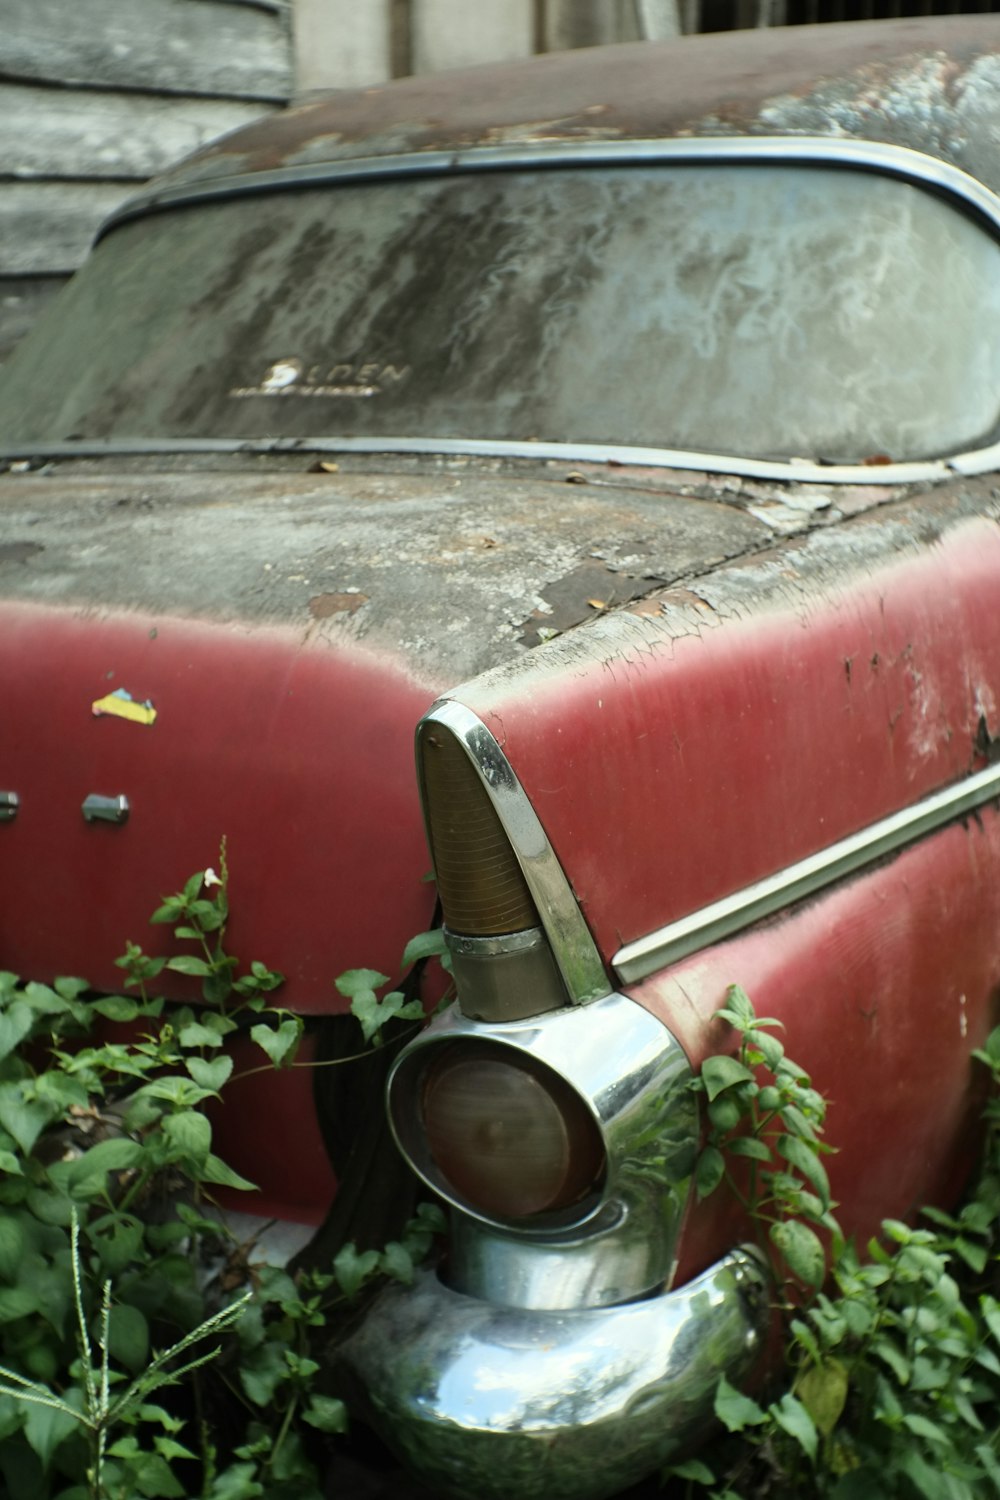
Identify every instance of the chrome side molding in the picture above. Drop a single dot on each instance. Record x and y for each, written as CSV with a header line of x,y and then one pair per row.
x,y
723,919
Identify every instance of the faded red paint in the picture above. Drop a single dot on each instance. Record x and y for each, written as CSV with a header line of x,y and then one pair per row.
x,y
884,987
683,767
299,754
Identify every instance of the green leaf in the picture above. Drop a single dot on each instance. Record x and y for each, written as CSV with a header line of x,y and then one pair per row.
x,y
725,1113
991,1315
236,1482
791,1415
822,1389
360,981
169,1448
262,1371
210,1074
186,963
196,1035
189,1135
150,1412
23,1119
326,1413
397,1263
804,1159
128,1338
927,1481
801,1249
894,1358
352,1269
118,1008
214,1169
15,1023
153,1477
87,1175
709,1171
750,1146
116,1237
18,1302
11,1247
923,1427
425,945
739,1002
734,1410
692,1469
45,1427
721,1073
768,1046
280,1043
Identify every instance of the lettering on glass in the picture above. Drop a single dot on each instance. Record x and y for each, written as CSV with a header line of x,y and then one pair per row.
x,y
357,378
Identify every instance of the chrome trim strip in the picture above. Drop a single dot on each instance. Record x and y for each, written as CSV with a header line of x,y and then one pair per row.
x,y
572,944
722,919
482,1400
976,461
878,156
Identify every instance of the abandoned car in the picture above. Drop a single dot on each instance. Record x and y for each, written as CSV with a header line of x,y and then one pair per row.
x,y
628,422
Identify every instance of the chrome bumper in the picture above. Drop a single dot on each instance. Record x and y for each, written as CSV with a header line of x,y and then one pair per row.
x,y
490,1402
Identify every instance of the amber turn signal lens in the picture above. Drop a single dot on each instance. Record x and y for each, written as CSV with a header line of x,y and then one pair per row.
x,y
507,1134
483,891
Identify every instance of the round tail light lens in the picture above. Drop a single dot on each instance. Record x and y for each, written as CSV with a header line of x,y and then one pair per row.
x,y
507,1134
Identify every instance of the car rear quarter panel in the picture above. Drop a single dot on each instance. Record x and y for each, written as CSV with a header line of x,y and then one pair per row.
x,y
705,739
299,754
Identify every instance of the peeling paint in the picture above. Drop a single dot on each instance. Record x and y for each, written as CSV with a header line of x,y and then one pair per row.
x,y
322,606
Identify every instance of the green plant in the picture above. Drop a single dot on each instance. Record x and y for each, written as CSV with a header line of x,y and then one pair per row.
x,y
108,1231
891,1378
98,1410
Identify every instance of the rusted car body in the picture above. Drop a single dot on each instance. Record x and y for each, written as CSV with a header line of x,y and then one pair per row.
x,y
650,395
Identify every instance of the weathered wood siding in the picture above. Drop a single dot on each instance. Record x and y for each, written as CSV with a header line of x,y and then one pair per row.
x,y
95,97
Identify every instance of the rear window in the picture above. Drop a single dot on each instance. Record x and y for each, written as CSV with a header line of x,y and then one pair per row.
x,y
756,310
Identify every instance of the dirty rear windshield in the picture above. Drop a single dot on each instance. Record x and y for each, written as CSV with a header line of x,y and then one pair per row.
x,y
757,310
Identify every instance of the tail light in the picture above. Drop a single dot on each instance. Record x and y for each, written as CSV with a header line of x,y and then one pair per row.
x,y
507,1134
552,1114
563,1130
519,943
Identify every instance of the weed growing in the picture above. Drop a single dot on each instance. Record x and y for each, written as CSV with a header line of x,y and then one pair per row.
x,y
891,1377
124,1370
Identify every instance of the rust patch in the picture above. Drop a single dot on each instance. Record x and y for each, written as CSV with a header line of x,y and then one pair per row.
x,y
322,606
703,85
589,590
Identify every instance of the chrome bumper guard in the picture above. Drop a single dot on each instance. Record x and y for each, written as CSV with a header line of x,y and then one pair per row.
x,y
487,1401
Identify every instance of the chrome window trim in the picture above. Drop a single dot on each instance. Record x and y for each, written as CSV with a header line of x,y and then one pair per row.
x,y
793,471
723,919
879,156
573,947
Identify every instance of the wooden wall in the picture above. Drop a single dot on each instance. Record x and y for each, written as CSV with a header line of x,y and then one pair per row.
x,y
346,43
96,96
